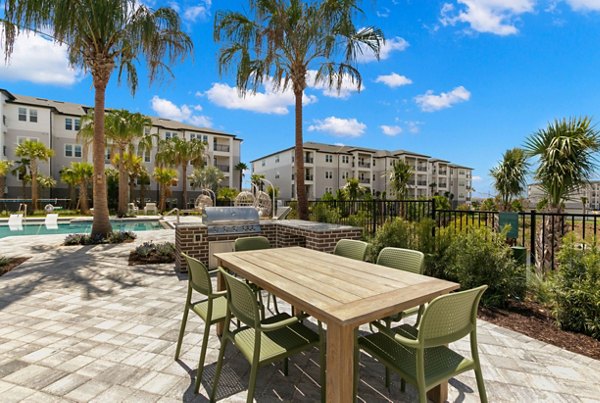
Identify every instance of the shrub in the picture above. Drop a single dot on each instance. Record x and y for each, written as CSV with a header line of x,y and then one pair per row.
x,y
322,212
481,256
87,239
576,287
4,261
399,233
151,252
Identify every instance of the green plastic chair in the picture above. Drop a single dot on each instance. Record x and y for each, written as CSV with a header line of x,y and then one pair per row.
x,y
261,342
420,355
351,248
211,310
256,243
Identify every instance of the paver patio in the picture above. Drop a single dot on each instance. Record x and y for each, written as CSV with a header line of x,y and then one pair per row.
x,y
78,324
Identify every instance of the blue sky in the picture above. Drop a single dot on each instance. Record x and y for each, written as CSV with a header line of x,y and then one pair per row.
x,y
462,80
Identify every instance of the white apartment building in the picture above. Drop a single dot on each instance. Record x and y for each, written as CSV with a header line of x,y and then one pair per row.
x,y
589,194
56,123
327,168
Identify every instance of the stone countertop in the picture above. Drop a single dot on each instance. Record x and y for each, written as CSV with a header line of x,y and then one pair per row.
x,y
313,226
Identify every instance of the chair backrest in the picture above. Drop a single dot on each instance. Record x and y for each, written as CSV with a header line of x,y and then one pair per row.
x,y
241,300
51,221
450,317
351,248
402,259
199,277
251,243
150,206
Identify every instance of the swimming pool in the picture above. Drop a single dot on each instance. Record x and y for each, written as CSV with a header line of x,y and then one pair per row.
x,y
74,227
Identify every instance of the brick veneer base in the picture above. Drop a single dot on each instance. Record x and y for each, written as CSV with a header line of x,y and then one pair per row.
x,y
193,239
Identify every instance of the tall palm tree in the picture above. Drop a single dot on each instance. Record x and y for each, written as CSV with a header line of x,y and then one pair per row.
x,y
566,152
283,39
35,152
242,167
45,182
134,164
510,175
187,153
400,176
122,129
166,177
4,169
209,177
101,36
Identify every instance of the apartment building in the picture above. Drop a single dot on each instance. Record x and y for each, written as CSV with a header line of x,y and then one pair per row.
x,y
56,124
587,197
328,167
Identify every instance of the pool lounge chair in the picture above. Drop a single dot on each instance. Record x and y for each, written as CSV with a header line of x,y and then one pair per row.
x,y
150,207
51,221
15,222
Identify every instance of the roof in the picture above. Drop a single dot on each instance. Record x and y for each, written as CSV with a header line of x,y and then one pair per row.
x,y
175,125
460,166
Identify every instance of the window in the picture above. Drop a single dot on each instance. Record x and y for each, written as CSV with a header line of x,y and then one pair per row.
x,y
33,115
263,163
73,150
68,150
277,175
373,177
146,130
374,162
196,136
68,124
170,135
205,139
107,154
77,150
21,140
23,114
328,158
328,174
77,124
277,159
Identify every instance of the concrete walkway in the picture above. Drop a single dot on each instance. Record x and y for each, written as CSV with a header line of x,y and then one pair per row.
x,y
78,324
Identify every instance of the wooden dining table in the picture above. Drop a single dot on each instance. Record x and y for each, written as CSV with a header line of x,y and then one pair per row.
x,y
342,293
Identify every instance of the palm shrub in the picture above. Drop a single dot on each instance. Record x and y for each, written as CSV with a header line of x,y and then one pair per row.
x,y
575,287
481,256
325,212
400,233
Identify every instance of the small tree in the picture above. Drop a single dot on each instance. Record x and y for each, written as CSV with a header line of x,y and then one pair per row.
x,y
166,177
510,175
400,177
209,177
187,153
4,169
242,167
35,152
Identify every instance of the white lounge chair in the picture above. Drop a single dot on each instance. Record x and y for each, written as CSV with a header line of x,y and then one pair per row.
x,y
15,222
150,207
132,208
51,221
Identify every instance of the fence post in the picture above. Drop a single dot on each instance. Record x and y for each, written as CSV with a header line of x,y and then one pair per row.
x,y
374,214
532,229
432,201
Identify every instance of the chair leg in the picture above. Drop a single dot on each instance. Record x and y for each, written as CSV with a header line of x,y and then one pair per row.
x,y
422,394
286,366
202,357
181,331
275,304
252,382
480,385
213,392
402,385
387,377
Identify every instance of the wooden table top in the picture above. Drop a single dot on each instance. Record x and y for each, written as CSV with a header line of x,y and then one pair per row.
x,y
333,288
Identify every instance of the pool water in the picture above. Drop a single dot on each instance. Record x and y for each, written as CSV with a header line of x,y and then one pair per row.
x,y
77,227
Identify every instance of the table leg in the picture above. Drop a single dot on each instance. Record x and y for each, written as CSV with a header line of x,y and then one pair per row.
x,y
439,394
340,363
220,287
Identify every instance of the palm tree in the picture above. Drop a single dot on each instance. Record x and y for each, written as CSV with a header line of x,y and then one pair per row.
x,y
45,182
83,173
68,176
400,176
122,129
166,177
187,153
283,39
134,164
242,167
102,36
353,189
510,176
4,169
565,150
85,135
20,171
34,151
207,178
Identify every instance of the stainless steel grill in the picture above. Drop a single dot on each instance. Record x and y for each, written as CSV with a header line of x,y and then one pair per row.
x,y
231,220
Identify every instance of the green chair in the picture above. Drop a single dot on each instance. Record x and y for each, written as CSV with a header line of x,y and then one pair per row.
x,y
352,249
420,355
211,309
256,243
261,342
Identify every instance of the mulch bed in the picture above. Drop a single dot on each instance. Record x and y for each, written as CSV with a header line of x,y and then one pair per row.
x,y
14,262
536,321
135,260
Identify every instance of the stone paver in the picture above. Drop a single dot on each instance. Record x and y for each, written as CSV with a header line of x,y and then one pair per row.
x,y
78,324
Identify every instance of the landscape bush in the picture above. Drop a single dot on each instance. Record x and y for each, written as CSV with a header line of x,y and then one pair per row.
x,y
400,233
151,252
575,287
4,261
111,238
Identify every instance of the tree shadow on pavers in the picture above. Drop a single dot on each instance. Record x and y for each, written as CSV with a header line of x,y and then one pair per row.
x,y
63,269
159,269
462,388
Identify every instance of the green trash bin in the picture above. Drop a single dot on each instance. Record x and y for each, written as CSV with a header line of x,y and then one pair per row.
x,y
519,254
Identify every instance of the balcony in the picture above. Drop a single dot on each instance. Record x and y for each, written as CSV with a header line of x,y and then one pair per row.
x,y
443,172
422,168
421,183
364,180
223,168
308,160
308,178
221,147
364,164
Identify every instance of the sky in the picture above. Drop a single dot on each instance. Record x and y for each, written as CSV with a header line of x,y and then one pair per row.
x,y
462,80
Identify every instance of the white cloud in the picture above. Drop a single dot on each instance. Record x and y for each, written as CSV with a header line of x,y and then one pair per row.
x,y
390,130
476,178
584,5
347,88
393,80
489,16
429,102
339,127
199,11
395,44
413,126
39,61
384,13
184,113
269,101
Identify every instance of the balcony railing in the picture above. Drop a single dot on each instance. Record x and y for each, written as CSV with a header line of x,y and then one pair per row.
x,y
364,180
308,177
422,183
422,169
223,168
364,165
221,147
308,160
443,172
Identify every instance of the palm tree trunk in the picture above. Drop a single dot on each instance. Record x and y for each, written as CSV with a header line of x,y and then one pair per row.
x,y
548,242
163,196
241,178
142,194
101,224
184,183
123,181
132,189
34,185
299,157
83,198
2,185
